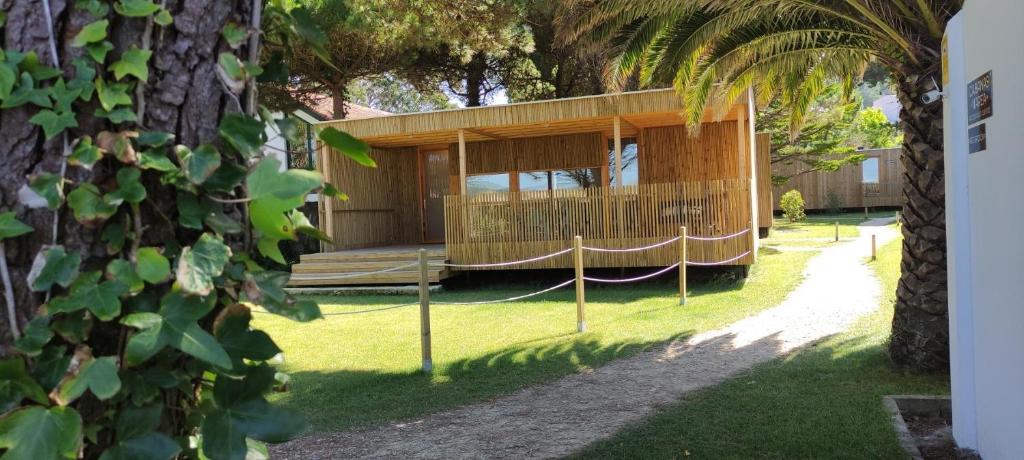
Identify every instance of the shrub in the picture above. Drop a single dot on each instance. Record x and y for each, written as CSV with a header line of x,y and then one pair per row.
x,y
832,202
792,204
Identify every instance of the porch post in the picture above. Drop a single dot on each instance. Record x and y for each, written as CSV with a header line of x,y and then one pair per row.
x,y
617,131
462,162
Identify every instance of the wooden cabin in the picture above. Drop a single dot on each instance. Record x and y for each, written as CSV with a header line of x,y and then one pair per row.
x,y
875,182
485,185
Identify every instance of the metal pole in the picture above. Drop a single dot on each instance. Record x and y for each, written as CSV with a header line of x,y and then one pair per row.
x,y
682,265
581,318
428,363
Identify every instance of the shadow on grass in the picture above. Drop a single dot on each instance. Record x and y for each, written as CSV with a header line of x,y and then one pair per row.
x,y
352,399
822,402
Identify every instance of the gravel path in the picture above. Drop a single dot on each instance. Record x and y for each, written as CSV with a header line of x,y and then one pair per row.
x,y
560,417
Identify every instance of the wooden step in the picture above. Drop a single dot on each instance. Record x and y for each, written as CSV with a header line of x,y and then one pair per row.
x,y
345,279
346,267
406,255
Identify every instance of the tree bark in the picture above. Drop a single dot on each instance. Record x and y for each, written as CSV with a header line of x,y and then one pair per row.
x,y
476,71
920,327
182,96
339,101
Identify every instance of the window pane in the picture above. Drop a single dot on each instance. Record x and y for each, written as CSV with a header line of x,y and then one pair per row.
x,y
630,168
870,171
534,180
486,183
577,178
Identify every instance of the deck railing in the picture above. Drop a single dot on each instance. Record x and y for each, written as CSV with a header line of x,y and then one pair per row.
x,y
495,227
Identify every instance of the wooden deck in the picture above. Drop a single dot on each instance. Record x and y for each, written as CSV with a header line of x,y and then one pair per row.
x,y
339,268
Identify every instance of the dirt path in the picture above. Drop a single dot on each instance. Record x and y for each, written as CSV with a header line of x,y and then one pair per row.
x,y
558,418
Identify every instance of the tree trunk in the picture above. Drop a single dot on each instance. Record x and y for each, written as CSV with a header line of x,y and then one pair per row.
x,y
920,326
183,97
339,99
475,73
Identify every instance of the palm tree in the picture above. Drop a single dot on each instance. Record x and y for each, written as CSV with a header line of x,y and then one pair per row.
x,y
711,51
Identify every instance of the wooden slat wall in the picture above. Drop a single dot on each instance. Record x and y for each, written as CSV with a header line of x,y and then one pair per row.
x,y
514,226
528,154
846,183
383,206
764,180
670,154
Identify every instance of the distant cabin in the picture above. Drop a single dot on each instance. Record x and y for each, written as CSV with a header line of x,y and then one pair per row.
x,y
875,182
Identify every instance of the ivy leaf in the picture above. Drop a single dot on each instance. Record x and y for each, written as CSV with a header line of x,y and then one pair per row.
x,y
11,227
270,249
44,189
16,384
84,74
91,33
39,433
226,178
191,211
332,192
35,336
113,235
101,298
266,289
96,8
199,264
53,265
122,271
98,51
90,208
74,328
163,18
54,123
157,161
135,8
112,94
175,326
98,375
8,77
240,341
348,145
119,144
242,132
290,186
154,138
63,95
133,62
267,217
232,71
116,116
85,154
129,188
153,267
234,34
137,437
27,92
199,164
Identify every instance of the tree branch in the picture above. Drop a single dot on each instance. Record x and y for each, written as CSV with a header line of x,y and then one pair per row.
x,y
5,274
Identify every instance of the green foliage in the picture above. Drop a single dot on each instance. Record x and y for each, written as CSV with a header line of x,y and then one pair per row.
x,y
832,201
146,323
792,204
872,130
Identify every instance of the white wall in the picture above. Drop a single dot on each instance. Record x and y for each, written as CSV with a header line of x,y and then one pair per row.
x,y
276,145
986,239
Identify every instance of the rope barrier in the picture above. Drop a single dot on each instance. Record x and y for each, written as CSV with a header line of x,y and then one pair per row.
x,y
630,280
717,238
503,264
357,275
721,262
342,313
643,248
510,299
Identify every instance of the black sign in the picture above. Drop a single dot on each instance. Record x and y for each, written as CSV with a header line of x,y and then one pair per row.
x,y
976,139
979,98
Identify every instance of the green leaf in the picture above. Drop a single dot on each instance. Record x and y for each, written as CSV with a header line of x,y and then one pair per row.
x,y
30,63
74,328
35,336
351,147
117,116
193,340
191,211
84,74
101,298
199,164
123,271
291,186
156,160
270,249
113,235
163,18
202,262
90,209
44,189
91,33
153,266
134,62
305,27
234,34
8,77
16,384
152,445
228,176
267,217
63,95
51,266
135,8
233,332
243,132
85,154
129,188
96,8
332,192
154,138
50,366
53,123
41,434
98,51
98,375
27,92
112,94
232,67
11,227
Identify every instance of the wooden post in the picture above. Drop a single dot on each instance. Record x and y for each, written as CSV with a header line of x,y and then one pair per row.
x,y
577,255
428,363
617,132
462,162
837,231
682,265
874,254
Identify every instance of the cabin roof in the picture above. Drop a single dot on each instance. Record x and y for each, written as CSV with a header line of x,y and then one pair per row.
x,y
637,109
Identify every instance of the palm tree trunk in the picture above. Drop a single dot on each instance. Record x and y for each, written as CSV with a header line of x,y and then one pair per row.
x,y
920,326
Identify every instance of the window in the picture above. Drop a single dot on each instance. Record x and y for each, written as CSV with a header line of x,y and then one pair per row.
x,y
535,181
482,184
562,179
869,170
630,168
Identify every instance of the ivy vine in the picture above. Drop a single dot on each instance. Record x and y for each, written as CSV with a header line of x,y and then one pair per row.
x,y
149,351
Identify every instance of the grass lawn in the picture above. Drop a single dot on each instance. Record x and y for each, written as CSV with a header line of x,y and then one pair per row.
x,y
817,230
822,402
352,371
